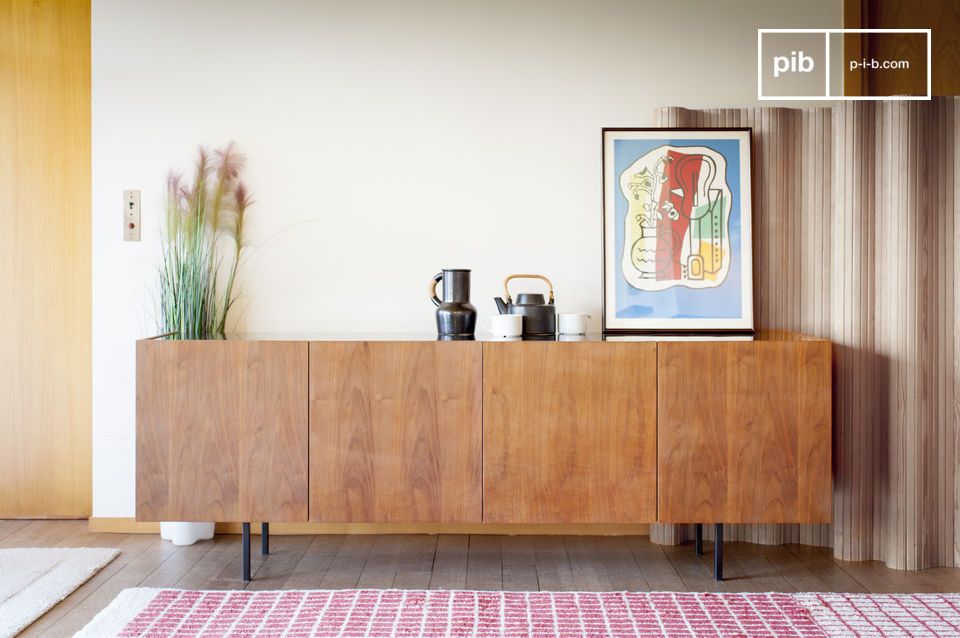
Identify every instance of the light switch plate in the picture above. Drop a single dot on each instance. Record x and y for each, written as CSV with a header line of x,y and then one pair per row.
x,y
131,215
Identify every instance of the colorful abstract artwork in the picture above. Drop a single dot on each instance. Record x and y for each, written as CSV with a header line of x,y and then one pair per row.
x,y
676,217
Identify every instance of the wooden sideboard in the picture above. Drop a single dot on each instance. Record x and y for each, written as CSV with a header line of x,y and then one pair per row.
x,y
396,430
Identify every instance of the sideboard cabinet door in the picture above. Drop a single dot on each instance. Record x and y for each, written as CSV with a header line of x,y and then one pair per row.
x,y
570,432
395,432
745,432
222,431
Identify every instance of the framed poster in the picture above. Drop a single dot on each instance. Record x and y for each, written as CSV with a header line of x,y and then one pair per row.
x,y
676,230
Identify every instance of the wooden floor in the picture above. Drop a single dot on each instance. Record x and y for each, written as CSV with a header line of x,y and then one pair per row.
x,y
589,563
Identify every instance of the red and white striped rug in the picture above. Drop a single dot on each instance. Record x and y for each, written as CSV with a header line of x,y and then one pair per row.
x,y
156,613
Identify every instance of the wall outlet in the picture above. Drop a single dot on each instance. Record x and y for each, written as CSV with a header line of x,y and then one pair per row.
x,y
131,215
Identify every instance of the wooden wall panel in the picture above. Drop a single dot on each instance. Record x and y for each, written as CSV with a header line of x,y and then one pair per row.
x,y
395,432
744,432
569,432
208,413
855,239
45,387
916,336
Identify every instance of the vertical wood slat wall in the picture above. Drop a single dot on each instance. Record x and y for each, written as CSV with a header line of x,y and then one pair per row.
x,y
856,230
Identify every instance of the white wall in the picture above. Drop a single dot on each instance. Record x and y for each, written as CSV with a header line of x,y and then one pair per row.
x,y
385,140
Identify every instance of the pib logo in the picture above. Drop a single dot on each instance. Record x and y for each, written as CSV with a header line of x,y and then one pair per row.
x,y
796,62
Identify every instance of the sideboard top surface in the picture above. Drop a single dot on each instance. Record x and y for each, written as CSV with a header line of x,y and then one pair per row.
x,y
763,335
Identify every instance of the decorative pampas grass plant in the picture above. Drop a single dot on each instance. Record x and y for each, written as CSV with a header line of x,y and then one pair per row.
x,y
201,246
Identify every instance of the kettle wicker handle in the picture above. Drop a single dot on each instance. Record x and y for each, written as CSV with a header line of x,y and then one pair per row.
x,y
506,281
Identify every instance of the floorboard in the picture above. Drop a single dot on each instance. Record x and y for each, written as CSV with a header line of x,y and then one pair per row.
x,y
275,569
553,564
518,564
484,566
344,572
696,572
316,560
751,570
9,527
656,568
416,563
218,568
827,569
796,572
589,571
177,564
419,561
614,555
380,569
450,562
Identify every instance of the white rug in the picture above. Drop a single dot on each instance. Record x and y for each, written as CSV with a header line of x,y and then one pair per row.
x,y
32,580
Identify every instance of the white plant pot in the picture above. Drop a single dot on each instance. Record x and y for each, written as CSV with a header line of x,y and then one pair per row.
x,y
186,533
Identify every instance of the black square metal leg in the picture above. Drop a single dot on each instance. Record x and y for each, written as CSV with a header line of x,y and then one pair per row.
x,y
718,551
245,549
264,538
698,540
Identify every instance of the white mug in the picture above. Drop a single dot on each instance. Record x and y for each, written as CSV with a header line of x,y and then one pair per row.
x,y
573,324
503,325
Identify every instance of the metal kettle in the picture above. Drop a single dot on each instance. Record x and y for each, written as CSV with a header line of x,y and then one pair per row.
x,y
539,316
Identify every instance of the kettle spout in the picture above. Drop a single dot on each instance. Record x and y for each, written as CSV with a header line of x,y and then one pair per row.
x,y
501,306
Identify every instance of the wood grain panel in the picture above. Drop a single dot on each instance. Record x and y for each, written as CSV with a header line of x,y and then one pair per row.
x,y
942,17
45,387
744,432
222,430
569,432
395,432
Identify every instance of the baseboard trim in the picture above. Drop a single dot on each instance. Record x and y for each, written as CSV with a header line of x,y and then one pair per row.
x,y
99,524
106,525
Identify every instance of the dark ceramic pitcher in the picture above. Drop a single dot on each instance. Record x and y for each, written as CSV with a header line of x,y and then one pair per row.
x,y
456,316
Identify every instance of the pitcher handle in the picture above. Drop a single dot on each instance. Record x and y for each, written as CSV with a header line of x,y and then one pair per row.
x,y
433,288
506,281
